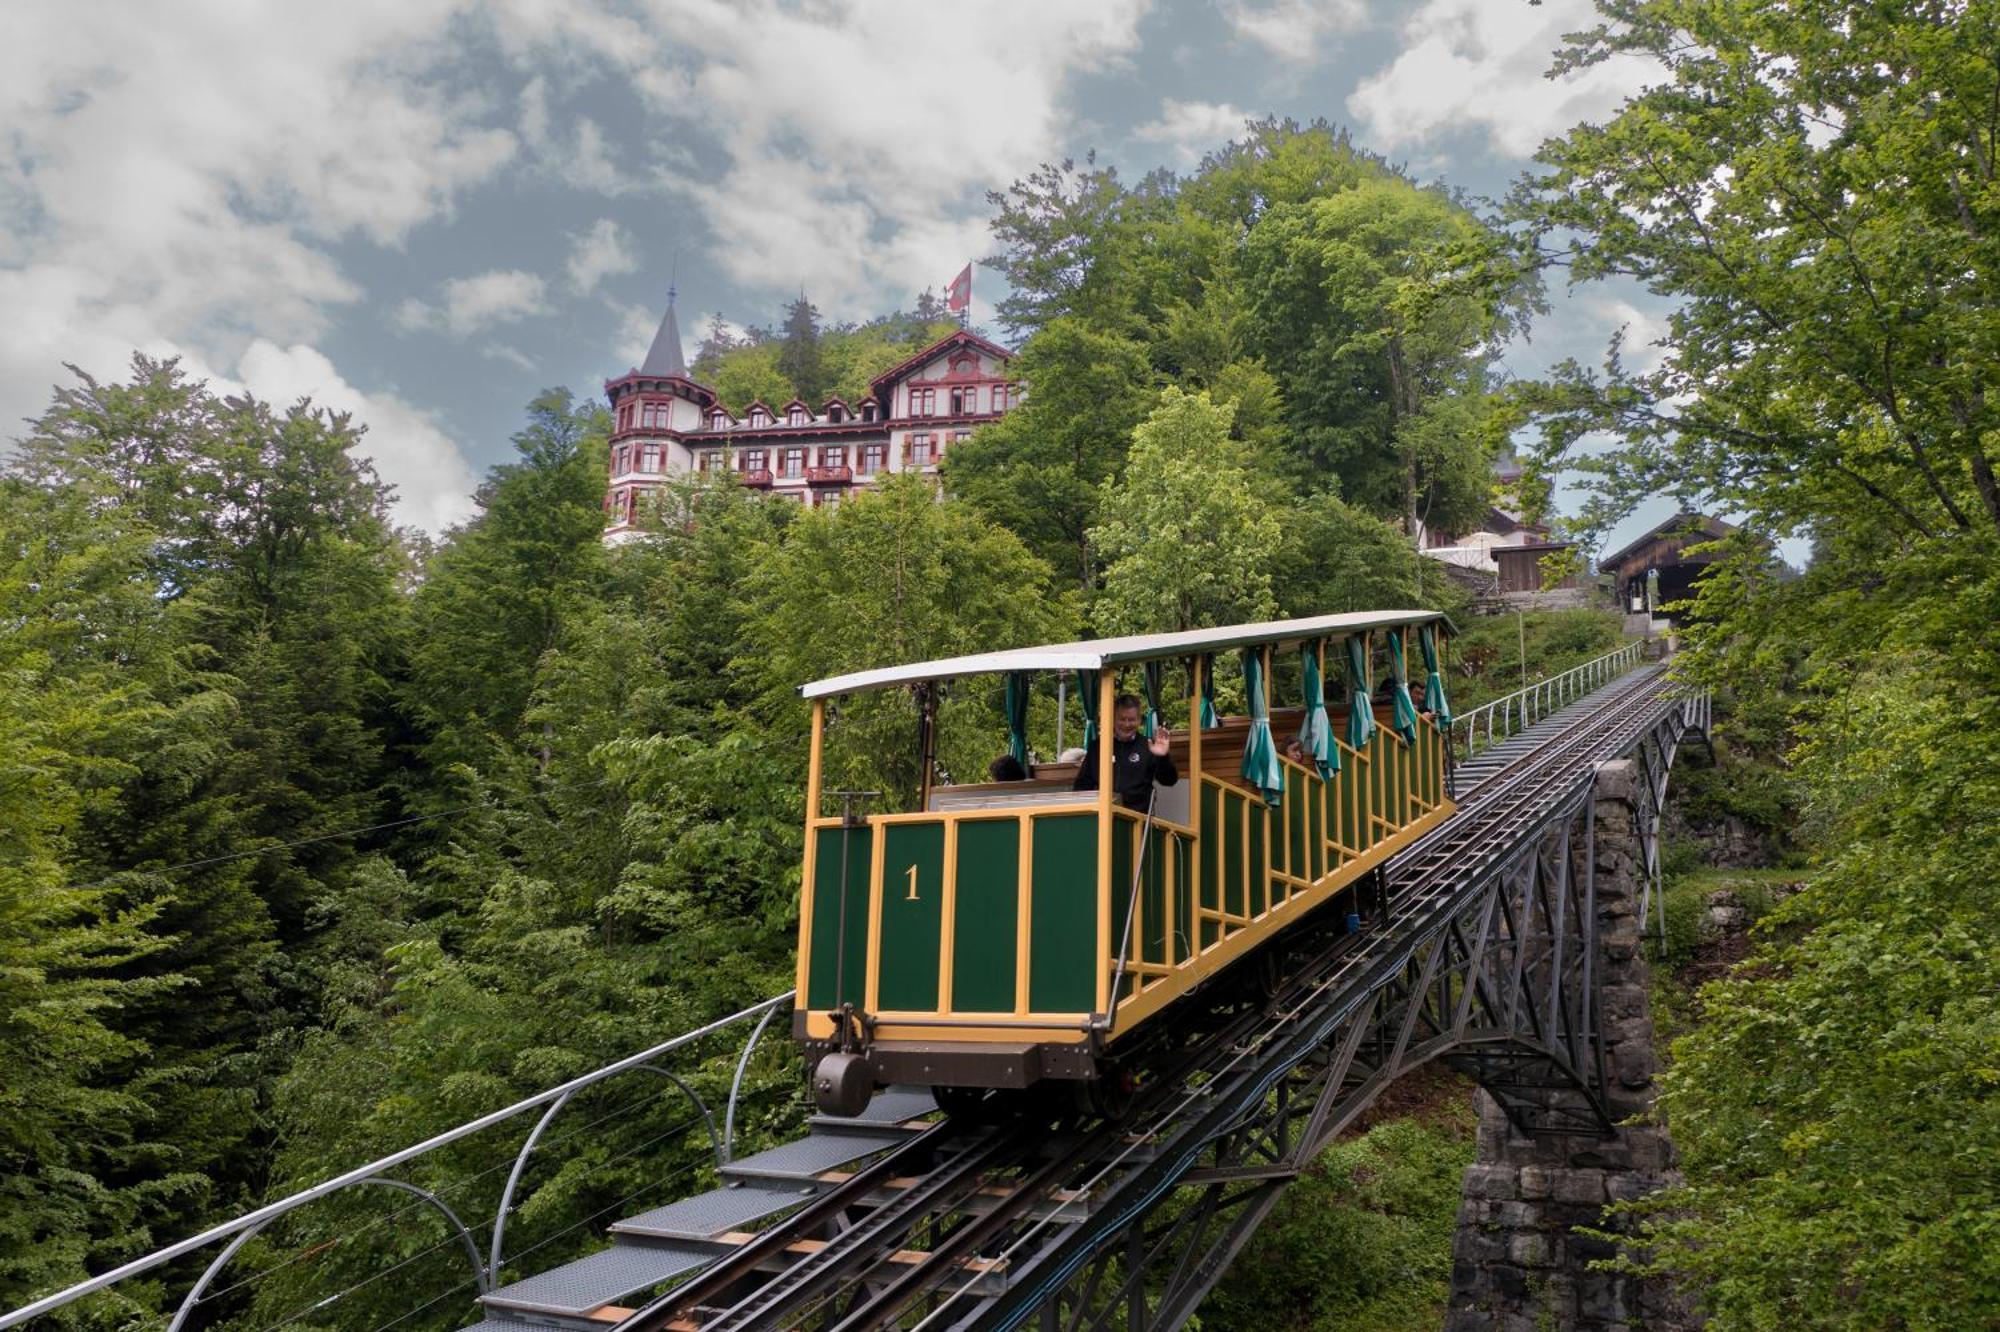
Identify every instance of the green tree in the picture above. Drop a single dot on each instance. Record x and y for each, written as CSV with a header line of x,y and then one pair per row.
x,y
751,374
896,576
799,357
494,597
1187,536
1380,309
71,1120
1039,470
1811,183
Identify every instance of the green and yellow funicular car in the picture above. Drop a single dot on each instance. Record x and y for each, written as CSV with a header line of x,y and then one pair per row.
x,y
1003,933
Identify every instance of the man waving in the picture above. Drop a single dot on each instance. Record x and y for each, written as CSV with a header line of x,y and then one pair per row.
x,y
1136,762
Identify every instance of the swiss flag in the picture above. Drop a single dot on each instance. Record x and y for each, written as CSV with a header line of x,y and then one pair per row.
x,y
958,295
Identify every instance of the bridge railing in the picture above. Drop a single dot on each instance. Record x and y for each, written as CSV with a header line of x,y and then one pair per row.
x,y
486,1260
1510,714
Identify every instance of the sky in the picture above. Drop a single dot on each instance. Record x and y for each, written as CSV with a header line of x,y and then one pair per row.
x,y
424,212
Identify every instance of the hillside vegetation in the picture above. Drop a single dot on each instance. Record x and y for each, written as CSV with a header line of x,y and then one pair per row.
x,y
317,837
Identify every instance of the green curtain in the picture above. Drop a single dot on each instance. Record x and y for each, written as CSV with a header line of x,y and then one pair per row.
x,y
1360,712
1018,683
1150,674
1316,733
1086,693
1260,757
1210,718
1434,698
1405,711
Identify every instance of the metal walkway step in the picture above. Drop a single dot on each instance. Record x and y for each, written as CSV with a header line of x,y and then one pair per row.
x,y
804,1161
708,1215
892,1105
605,1277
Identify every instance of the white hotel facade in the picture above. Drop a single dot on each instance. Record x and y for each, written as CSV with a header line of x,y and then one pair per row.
x,y
664,423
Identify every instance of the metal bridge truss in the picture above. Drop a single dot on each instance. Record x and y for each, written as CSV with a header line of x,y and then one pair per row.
x,y
1498,984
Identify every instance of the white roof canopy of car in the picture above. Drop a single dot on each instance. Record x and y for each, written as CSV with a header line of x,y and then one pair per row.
x,y
1098,653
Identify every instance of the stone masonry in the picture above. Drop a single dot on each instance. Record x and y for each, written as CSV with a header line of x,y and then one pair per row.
x,y
1518,1264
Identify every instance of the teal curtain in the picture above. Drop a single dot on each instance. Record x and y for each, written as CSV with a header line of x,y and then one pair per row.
x,y
1210,718
1260,757
1434,698
1017,715
1316,732
1151,675
1405,710
1086,693
1360,712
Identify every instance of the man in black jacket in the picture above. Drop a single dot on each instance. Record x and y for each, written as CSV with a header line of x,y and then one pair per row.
x,y
1136,762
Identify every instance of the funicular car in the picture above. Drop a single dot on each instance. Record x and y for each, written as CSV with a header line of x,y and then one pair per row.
x,y
1003,934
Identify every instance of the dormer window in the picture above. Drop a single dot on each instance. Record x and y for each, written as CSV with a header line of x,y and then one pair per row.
x,y
759,417
868,410
718,420
796,416
836,412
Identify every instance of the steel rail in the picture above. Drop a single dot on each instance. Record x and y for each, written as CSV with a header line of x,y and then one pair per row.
x,y
772,1242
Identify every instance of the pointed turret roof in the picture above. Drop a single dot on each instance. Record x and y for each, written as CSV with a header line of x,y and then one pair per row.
x,y
665,357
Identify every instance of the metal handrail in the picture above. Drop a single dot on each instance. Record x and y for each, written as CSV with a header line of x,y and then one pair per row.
x,y
372,1172
1513,713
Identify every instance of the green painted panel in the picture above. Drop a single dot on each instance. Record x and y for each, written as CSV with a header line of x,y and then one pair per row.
x,y
1184,931
1316,833
987,916
1260,880
1211,848
824,967
1062,929
912,916
1153,896
1298,809
1232,853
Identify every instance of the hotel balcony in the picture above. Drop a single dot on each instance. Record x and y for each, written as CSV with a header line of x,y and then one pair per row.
x,y
829,476
755,476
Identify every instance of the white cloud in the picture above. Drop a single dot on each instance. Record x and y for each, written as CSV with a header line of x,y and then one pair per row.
x,y
636,327
173,178
601,252
860,137
410,450
1191,129
1482,64
470,304
1291,29
1644,331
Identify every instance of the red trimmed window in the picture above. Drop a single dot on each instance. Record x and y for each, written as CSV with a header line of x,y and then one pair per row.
x,y
923,402
920,449
792,462
754,460
874,457
833,455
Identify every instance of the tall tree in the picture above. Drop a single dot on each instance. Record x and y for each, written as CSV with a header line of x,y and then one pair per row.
x,y
1188,487
799,353
1813,184
1379,308
1816,187
494,598
1040,469
896,576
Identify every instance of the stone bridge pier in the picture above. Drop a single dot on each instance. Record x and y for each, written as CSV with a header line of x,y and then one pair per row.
x,y
1518,1263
